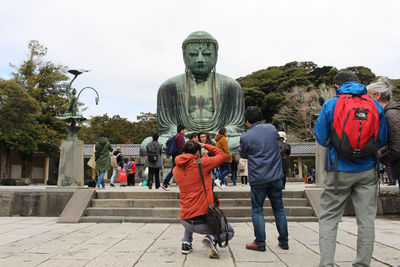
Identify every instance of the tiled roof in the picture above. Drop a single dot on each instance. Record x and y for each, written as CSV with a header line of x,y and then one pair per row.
x,y
127,150
302,149
298,149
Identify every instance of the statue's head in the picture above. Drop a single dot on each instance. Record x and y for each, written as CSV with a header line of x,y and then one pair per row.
x,y
200,52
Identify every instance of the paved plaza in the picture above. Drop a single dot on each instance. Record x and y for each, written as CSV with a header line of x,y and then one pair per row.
x,y
40,241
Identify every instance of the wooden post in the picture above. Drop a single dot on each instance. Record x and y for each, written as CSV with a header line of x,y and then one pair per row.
x,y
46,169
300,166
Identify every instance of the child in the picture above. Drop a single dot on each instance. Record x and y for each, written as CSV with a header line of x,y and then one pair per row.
x,y
243,173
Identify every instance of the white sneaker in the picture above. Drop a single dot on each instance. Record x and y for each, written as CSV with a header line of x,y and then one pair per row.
x,y
224,187
217,182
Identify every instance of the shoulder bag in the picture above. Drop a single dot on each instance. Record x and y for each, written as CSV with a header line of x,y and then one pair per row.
x,y
215,217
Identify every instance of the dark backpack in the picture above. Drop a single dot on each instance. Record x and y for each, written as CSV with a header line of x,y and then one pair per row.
x,y
171,148
153,152
355,127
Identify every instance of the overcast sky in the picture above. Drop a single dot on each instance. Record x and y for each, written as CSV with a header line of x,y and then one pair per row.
x,y
131,47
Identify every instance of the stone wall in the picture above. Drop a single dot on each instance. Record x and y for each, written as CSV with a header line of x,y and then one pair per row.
x,y
388,204
45,203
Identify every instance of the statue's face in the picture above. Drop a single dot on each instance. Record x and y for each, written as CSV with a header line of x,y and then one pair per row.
x,y
200,58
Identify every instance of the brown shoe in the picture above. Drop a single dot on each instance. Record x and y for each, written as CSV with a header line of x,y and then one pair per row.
x,y
254,246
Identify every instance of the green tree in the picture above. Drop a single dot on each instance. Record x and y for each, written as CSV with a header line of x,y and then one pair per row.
x,y
45,82
17,111
119,130
145,126
364,75
396,88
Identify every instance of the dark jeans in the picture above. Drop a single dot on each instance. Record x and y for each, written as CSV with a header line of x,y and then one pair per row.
x,y
224,170
274,192
390,176
244,179
131,179
154,172
234,176
169,175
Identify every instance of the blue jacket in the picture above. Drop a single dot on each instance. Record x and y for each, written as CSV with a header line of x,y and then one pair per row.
x,y
259,145
323,128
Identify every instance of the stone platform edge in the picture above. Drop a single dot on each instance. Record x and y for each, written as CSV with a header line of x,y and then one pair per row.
x,y
387,203
35,202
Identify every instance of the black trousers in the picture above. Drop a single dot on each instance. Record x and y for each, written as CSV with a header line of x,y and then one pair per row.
x,y
131,179
154,172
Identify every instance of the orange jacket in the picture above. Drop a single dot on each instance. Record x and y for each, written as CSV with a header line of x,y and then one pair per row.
x,y
193,200
222,143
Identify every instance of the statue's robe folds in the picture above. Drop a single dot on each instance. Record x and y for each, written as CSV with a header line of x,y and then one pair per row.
x,y
173,104
173,107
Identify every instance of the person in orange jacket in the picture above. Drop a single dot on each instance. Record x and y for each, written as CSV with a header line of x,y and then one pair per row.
x,y
193,200
225,167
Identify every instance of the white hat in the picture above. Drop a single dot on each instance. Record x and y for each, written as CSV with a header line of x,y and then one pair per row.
x,y
282,135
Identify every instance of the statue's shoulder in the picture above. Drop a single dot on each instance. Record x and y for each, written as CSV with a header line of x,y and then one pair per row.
x,y
175,81
226,80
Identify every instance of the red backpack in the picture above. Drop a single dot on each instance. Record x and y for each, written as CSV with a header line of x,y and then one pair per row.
x,y
355,126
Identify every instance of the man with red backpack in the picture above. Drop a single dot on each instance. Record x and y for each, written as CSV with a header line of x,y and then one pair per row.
x,y
352,126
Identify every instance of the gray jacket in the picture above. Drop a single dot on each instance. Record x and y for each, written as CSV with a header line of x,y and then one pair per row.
x,y
158,163
261,148
390,154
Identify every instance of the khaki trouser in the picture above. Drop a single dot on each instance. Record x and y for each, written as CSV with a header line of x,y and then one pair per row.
x,y
362,187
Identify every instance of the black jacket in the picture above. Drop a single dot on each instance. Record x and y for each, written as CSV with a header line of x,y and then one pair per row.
x,y
285,150
120,159
390,154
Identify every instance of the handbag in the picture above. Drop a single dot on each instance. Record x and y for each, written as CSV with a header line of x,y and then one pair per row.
x,y
122,176
92,163
215,217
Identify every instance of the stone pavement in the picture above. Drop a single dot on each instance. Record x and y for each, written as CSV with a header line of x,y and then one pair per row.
x,y
40,241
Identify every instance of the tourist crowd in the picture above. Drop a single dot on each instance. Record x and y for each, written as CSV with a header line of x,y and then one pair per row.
x,y
263,162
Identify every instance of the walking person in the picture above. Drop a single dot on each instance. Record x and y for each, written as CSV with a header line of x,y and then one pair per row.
x,y
381,91
119,165
225,168
259,145
193,200
243,172
346,177
234,169
130,168
102,158
179,140
285,151
295,171
154,161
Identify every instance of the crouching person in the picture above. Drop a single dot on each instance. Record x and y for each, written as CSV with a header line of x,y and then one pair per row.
x,y
193,200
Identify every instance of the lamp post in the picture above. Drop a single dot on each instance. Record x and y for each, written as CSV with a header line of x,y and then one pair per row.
x,y
73,119
70,172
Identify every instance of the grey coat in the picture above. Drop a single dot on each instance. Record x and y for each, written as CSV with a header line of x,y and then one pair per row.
x,y
158,163
390,154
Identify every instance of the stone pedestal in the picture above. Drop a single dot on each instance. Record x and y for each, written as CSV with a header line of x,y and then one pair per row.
x,y
320,154
71,164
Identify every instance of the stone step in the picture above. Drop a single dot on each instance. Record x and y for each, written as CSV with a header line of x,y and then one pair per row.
x,y
121,219
153,203
175,195
169,212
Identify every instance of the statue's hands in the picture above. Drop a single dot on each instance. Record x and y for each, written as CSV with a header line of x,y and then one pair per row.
x,y
233,131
